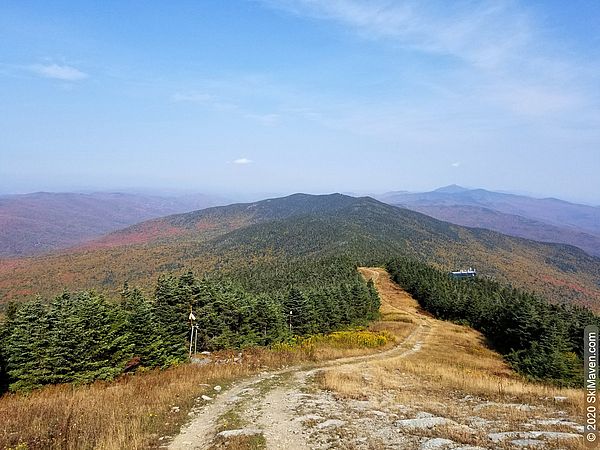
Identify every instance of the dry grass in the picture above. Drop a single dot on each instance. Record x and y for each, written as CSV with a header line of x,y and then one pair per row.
x,y
343,384
455,359
134,411
117,415
453,373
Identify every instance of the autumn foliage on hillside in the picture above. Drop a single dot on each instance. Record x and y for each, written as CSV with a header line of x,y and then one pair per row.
x,y
274,233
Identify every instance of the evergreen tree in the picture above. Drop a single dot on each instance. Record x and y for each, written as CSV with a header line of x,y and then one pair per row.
x,y
301,312
268,320
26,363
540,340
172,317
101,349
144,334
5,331
374,301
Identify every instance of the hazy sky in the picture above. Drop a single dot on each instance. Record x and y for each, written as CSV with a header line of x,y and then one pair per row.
x,y
301,95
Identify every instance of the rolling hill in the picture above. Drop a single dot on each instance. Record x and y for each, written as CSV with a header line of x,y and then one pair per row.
x,y
43,221
281,231
513,225
547,220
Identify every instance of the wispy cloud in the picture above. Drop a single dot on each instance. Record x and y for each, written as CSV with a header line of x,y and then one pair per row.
x,y
483,33
242,161
222,103
58,72
496,44
206,99
455,164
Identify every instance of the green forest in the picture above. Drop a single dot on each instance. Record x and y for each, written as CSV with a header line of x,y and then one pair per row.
x,y
541,340
84,336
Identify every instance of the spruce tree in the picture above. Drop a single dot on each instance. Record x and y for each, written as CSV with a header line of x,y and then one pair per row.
x,y
144,334
27,364
300,312
172,317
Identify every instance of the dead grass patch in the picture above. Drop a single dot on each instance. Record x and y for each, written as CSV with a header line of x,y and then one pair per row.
x,y
342,384
134,411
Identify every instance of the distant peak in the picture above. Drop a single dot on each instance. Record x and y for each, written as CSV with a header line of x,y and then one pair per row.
x,y
451,189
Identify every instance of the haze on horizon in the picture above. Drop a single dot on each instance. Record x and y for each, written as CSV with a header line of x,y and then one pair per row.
x,y
301,95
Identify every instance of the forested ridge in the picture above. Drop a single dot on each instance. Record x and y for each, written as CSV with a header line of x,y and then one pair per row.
x,y
84,336
298,254
541,340
278,232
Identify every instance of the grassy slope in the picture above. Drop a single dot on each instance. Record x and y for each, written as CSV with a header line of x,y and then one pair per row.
x,y
452,365
134,411
277,231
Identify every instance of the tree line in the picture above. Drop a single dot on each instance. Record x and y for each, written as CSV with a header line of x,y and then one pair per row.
x,y
541,340
84,336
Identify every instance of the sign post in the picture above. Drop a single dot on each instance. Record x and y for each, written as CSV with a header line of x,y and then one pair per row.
x,y
193,332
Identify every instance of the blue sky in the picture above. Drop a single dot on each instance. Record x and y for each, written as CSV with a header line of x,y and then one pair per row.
x,y
301,95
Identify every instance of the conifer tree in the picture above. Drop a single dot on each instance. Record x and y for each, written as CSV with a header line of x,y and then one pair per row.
x,y
5,331
144,334
102,348
171,317
301,312
27,364
268,320
375,301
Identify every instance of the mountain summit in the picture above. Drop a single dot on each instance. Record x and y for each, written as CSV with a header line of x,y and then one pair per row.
x,y
302,226
547,219
451,189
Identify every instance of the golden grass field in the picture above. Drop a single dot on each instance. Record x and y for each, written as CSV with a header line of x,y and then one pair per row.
x,y
132,412
453,362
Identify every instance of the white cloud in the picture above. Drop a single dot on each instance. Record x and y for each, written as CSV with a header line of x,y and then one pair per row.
x,y
455,164
202,98
242,161
499,48
220,102
59,72
484,33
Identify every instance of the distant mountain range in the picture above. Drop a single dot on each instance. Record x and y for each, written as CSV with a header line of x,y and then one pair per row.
x,y
547,219
269,233
40,222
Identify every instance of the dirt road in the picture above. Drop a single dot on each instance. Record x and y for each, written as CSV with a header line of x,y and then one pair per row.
x,y
271,404
394,399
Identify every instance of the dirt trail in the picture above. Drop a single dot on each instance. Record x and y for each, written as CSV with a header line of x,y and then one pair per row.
x,y
439,388
268,403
